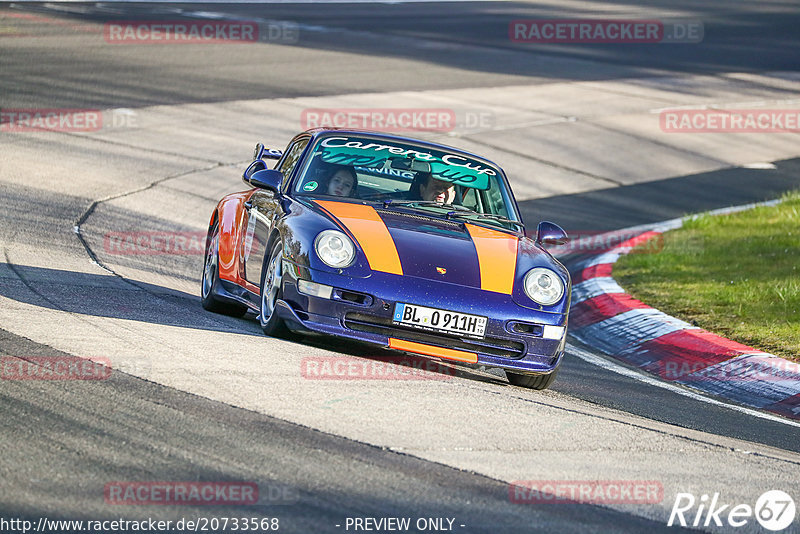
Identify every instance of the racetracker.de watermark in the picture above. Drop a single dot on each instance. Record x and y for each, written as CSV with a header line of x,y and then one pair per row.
x,y
381,119
600,242
13,120
189,493
199,32
586,492
18,120
211,493
154,243
730,120
402,367
600,31
54,368
741,369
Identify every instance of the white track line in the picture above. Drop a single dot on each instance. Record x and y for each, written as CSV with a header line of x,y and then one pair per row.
x,y
609,365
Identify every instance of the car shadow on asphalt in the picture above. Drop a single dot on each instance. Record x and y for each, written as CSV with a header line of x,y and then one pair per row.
x,y
105,295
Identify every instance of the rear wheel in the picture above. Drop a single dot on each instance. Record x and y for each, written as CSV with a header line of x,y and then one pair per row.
x,y
271,292
532,381
209,288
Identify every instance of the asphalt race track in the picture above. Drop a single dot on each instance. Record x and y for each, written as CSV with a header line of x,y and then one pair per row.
x,y
200,397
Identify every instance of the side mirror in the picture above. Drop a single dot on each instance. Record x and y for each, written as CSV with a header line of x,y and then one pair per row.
x,y
268,179
256,166
550,234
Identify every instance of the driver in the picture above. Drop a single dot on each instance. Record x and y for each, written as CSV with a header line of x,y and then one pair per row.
x,y
426,187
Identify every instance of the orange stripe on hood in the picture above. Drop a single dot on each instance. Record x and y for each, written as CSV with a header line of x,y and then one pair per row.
x,y
497,257
371,233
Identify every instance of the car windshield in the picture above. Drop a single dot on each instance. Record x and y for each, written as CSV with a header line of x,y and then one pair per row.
x,y
404,174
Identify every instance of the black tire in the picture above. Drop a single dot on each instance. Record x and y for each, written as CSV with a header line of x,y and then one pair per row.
x,y
532,381
271,292
209,285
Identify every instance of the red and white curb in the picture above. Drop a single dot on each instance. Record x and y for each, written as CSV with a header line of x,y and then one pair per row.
x,y
606,318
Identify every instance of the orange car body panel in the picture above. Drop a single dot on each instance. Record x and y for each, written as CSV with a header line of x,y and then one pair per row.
x,y
370,232
431,350
497,255
231,213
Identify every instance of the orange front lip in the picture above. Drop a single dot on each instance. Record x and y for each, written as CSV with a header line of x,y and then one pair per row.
x,y
431,350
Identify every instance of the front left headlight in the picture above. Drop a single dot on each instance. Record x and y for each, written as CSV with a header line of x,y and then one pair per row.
x,y
335,249
543,286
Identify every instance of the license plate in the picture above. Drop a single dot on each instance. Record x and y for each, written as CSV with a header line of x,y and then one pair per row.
x,y
441,321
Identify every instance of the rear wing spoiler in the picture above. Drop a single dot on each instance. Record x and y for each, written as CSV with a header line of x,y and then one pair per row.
x,y
263,152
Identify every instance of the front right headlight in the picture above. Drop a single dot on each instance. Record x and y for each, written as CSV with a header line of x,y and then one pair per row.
x,y
544,286
335,249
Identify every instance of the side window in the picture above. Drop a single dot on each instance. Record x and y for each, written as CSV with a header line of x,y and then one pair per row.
x,y
290,161
495,202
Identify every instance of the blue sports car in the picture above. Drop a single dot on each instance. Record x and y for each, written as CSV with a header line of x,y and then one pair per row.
x,y
405,244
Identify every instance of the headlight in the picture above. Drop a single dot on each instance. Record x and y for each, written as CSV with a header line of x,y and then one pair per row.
x,y
544,286
335,249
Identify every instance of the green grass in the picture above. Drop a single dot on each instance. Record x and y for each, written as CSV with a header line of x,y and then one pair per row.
x,y
736,275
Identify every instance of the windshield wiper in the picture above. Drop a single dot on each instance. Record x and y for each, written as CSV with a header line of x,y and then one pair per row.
x,y
459,211
414,203
495,217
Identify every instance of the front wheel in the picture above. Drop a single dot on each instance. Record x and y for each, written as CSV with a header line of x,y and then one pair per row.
x,y
532,381
271,292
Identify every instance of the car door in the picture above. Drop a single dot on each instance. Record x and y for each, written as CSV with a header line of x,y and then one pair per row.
x,y
263,209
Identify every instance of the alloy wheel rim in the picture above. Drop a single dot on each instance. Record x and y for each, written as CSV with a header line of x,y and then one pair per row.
x,y
208,272
271,285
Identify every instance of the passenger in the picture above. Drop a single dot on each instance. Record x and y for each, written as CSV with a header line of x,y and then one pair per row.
x,y
342,182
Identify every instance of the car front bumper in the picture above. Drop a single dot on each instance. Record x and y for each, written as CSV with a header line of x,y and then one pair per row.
x,y
362,309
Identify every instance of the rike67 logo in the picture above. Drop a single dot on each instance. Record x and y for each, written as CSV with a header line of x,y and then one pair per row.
x,y
774,510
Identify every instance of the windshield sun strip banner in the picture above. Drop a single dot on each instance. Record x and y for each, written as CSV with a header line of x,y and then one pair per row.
x,y
373,153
